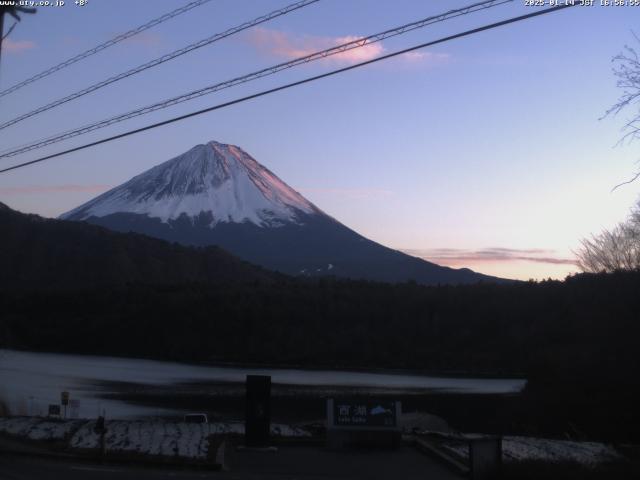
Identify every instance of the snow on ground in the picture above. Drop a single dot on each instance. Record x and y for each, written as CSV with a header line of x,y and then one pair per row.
x,y
188,440
165,438
516,449
151,438
191,440
587,453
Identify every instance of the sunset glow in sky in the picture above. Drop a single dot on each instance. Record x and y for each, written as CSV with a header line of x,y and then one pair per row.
x,y
486,152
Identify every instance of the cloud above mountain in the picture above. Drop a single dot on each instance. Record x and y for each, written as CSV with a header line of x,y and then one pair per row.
x,y
18,46
290,46
455,256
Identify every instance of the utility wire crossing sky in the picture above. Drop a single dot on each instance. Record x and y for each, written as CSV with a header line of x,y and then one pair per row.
x,y
102,46
290,85
354,44
161,60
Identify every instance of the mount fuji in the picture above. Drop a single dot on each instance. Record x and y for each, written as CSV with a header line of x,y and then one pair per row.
x,y
217,194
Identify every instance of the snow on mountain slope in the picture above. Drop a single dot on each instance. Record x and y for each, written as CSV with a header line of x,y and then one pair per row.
x,y
217,178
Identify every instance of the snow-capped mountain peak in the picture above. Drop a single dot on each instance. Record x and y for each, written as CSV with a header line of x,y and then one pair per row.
x,y
217,179
216,194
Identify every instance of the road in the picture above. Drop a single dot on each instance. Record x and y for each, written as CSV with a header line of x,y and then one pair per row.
x,y
287,464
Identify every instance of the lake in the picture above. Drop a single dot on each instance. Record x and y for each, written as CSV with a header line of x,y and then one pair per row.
x,y
30,381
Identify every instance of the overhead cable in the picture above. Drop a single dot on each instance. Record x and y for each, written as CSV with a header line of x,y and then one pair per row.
x,y
358,43
102,46
160,60
536,13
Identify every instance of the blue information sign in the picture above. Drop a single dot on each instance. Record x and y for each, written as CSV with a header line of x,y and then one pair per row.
x,y
364,412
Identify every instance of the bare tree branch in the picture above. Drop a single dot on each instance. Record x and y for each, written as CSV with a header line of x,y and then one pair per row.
x,y
626,68
10,30
633,179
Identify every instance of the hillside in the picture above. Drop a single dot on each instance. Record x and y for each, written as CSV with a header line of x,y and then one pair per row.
x,y
39,253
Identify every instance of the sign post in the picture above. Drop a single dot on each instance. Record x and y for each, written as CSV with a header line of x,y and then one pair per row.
x,y
64,400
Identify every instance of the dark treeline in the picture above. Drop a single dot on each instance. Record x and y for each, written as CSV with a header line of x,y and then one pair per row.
x,y
46,254
576,341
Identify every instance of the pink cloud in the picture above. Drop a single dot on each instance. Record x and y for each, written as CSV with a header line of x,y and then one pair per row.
x,y
19,46
360,54
30,189
288,46
457,257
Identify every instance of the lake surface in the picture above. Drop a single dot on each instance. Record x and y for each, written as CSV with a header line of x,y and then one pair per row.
x,y
30,381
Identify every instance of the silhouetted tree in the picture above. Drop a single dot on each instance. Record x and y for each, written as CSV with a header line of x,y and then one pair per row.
x,y
615,249
619,248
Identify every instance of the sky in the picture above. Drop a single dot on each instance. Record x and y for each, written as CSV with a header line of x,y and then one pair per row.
x,y
488,152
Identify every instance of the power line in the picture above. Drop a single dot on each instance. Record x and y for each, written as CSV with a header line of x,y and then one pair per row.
x,y
294,84
359,43
102,46
162,59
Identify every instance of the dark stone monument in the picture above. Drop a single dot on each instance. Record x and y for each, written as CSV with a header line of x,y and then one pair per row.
x,y
258,411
